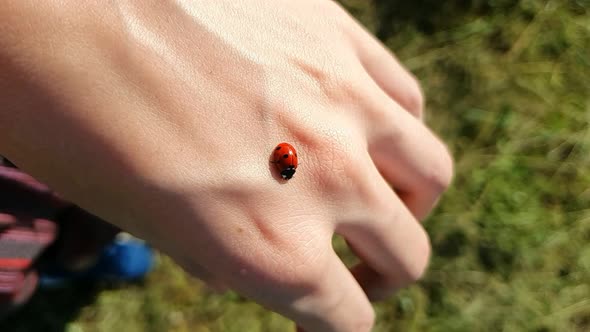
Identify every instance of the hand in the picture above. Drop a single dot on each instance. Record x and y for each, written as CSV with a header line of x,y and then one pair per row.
x,y
161,117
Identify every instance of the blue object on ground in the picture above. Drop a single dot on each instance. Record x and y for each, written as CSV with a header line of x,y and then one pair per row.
x,y
122,260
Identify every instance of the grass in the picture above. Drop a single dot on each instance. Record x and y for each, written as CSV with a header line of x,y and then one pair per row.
x,y
508,88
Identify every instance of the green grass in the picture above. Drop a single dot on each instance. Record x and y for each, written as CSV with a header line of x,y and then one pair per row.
x,y
508,88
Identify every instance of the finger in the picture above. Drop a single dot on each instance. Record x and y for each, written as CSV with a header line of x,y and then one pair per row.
x,y
387,72
409,156
337,303
392,245
319,294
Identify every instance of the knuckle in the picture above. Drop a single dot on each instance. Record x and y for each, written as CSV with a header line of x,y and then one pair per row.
x,y
343,89
337,167
418,265
414,99
365,321
441,173
411,267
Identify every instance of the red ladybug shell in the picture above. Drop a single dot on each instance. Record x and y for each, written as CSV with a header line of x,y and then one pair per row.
x,y
285,158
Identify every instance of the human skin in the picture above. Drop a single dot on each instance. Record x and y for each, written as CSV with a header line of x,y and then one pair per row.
x,y
161,117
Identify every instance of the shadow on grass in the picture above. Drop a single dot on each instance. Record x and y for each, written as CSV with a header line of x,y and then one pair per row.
x,y
51,310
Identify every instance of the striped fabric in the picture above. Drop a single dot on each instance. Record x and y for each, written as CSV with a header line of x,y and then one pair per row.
x,y
27,227
34,219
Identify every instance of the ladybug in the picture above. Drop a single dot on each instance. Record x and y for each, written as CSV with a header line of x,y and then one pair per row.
x,y
285,158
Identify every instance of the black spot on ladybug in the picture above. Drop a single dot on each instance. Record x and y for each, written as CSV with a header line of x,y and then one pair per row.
x,y
278,148
288,173
286,156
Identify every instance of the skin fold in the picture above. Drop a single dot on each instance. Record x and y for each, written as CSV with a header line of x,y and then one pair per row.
x,y
161,117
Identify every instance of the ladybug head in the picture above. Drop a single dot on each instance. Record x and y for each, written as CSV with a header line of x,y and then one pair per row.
x,y
288,172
